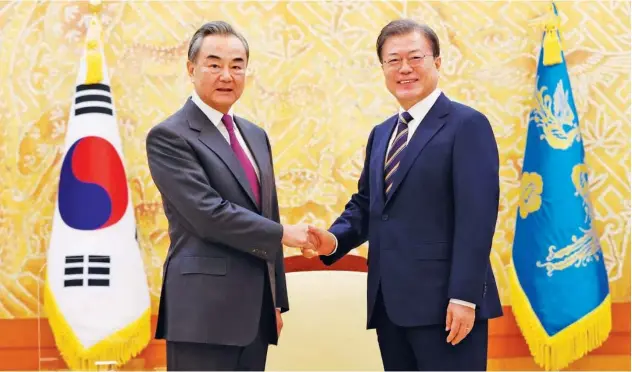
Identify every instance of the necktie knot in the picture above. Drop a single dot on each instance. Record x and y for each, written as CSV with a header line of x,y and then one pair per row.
x,y
405,118
228,122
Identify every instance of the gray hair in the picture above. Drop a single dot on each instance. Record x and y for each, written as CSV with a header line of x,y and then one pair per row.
x,y
403,27
213,28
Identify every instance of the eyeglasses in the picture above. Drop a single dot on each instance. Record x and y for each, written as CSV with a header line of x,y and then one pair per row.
x,y
395,63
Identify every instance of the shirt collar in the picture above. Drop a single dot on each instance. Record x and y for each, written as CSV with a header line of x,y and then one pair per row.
x,y
421,108
213,115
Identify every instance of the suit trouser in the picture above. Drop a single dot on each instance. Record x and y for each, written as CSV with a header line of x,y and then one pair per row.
x,y
425,348
189,356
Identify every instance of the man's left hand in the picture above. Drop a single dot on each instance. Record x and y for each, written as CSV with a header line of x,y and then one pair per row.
x,y
279,322
459,321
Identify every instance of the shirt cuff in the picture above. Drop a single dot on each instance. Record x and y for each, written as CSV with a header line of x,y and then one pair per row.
x,y
464,303
335,246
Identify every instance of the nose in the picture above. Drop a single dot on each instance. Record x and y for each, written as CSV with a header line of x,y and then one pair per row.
x,y
406,68
225,75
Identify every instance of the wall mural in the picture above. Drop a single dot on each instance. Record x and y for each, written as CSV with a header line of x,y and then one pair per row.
x,y
316,86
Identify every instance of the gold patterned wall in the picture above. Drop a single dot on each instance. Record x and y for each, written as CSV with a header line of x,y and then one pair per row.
x,y
315,85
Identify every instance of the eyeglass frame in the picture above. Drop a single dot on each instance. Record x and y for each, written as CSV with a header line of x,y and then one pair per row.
x,y
399,61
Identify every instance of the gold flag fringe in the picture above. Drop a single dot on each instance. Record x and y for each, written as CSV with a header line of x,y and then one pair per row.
x,y
570,344
119,347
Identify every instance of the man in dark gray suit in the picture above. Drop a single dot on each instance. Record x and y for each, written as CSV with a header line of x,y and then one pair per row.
x,y
224,283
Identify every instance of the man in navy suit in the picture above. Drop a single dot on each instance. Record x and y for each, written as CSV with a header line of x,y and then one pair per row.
x,y
427,203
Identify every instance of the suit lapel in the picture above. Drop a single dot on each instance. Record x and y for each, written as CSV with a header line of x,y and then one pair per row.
x,y
429,126
261,155
213,139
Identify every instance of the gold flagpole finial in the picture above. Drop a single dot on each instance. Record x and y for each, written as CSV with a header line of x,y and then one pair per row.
x,y
552,45
95,6
94,60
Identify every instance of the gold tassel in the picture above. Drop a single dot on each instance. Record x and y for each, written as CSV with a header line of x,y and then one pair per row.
x,y
557,352
94,60
120,346
551,45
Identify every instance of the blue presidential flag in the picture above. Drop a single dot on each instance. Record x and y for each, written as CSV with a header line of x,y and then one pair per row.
x,y
559,290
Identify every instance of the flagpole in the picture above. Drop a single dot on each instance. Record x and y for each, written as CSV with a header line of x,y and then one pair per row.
x,y
94,73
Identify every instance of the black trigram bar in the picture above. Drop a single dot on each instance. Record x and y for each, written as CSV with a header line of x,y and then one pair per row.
x,y
92,98
98,282
73,270
74,259
96,97
94,110
82,87
73,283
100,259
99,270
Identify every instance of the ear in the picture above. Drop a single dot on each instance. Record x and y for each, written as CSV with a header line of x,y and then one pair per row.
x,y
437,63
190,69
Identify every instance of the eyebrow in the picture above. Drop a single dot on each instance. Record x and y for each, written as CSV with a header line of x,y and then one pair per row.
x,y
409,52
212,56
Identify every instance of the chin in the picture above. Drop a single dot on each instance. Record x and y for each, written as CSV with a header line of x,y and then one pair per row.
x,y
224,97
224,101
413,91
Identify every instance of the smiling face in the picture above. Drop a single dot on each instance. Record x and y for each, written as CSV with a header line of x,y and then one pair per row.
x,y
410,70
218,71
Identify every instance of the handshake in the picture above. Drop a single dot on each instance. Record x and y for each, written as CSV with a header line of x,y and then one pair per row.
x,y
312,241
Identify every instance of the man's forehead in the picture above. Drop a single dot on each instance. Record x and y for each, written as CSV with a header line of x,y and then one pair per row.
x,y
407,42
223,46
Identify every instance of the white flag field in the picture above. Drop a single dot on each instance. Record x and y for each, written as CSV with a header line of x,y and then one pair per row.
x,y
96,295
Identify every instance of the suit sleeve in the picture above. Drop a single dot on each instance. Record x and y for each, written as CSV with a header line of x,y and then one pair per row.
x,y
184,184
351,228
282,300
476,194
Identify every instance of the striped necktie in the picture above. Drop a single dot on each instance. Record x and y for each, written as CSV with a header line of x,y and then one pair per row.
x,y
396,153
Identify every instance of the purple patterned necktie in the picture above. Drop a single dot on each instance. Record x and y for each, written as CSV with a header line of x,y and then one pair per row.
x,y
243,158
396,153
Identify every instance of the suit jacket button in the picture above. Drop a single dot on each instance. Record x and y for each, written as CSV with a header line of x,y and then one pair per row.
x,y
384,217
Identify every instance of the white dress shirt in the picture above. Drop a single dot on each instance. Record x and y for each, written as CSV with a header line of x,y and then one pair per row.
x,y
216,118
418,112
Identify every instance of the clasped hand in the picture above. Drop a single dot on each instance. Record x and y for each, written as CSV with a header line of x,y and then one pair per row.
x,y
312,241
